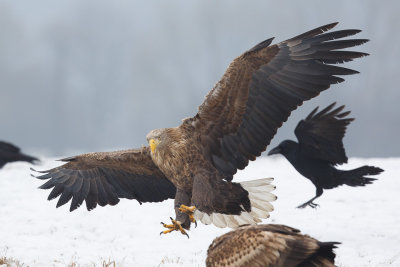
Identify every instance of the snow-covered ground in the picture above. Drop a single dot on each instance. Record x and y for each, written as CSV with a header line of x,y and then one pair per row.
x,y
365,219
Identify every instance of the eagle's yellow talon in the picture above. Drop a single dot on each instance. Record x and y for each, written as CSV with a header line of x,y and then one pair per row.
x,y
167,231
189,211
186,209
175,226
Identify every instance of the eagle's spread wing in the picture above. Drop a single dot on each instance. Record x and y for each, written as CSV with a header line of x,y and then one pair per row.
x,y
104,178
260,89
269,245
320,135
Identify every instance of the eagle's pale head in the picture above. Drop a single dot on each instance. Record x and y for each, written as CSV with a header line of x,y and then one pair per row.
x,y
154,138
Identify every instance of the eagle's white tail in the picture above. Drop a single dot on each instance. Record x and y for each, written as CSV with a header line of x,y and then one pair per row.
x,y
260,197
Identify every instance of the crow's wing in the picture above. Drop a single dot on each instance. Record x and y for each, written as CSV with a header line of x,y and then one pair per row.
x,y
320,135
105,177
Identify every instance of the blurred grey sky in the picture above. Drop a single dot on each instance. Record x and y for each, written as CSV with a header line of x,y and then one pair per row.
x,y
79,76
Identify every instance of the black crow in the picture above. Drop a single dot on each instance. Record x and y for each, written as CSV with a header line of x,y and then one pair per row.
x,y
11,153
320,148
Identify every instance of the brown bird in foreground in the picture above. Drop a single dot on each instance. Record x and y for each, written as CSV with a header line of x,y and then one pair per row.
x,y
11,153
269,245
195,162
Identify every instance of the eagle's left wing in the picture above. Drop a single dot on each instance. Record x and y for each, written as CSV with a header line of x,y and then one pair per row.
x,y
320,134
105,177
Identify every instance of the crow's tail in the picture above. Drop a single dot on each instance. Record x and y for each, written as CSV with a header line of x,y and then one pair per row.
x,y
357,177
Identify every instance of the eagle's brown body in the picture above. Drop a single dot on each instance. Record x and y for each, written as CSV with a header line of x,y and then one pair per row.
x,y
195,162
182,154
195,178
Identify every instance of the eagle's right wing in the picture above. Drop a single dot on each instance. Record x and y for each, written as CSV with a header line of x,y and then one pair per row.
x,y
320,135
260,89
105,177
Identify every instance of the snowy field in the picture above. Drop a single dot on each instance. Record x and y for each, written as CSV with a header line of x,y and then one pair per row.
x,y
365,219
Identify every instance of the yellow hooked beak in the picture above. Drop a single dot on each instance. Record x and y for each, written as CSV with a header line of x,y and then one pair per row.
x,y
153,144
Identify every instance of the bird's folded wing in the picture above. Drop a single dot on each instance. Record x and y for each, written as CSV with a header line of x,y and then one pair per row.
x,y
252,245
267,245
320,135
260,89
103,178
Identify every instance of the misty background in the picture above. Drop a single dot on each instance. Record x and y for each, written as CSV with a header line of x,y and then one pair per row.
x,y
95,75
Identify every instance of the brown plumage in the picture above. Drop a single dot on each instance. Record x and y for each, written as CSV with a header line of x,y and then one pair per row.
x,y
271,245
104,178
235,123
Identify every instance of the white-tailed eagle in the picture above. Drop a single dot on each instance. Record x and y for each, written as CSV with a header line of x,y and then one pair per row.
x,y
194,163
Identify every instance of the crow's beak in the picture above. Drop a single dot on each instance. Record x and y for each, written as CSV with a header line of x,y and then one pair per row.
x,y
276,150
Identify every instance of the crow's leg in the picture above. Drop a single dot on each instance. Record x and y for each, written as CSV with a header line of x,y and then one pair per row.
x,y
310,202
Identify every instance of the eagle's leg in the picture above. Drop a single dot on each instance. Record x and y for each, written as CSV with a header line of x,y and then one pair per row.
x,y
183,199
310,202
182,220
189,211
175,226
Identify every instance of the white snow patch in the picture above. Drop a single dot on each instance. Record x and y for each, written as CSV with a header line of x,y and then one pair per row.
x,y
365,219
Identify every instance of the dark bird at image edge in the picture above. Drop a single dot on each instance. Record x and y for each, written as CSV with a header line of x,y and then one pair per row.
x,y
12,153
